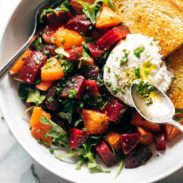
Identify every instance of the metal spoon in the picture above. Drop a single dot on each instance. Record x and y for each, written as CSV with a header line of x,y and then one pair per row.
x,y
4,70
160,111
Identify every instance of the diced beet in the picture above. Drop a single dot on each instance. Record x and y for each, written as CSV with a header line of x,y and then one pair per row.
x,y
58,18
32,66
112,36
48,33
77,137
74,88
95,34
129,141
59,121
90,72
92,86
114,110
138,156
160,142
51,101
75,53
49,50
106,154
94,50
79,23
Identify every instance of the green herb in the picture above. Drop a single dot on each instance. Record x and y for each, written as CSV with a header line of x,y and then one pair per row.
x,y
144,89
23,90
50,99
67,66
66,116
77,122
61,51
138,51
72,93
58,134
108,83
51,151
124,59
137,72
35,97
121,164
38,43
90,10
85,56
45,12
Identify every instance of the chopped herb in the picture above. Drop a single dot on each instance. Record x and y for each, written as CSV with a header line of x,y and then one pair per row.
x,y
67,66
108,83
137,72
38,43
50,99
124,59
144,89
72,93
138,51
51,151
66,116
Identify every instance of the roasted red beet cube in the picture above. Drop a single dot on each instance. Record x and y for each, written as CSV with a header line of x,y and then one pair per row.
x,y
112,36
138,156
51,102
94,50
58,18
74,88
114,110
32,66
49,50
106,154
79,23
129,141
160,142
77,137
75,53
91,86
48,33
90,72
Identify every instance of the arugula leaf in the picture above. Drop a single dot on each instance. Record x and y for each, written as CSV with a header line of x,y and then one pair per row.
x,y
24,89
61,51
35,97
121,164
38,43
90,10
66,115
45,12
67,66
58,134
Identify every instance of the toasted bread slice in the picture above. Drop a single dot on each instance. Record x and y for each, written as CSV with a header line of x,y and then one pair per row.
x,y
178,3
175,65
160,19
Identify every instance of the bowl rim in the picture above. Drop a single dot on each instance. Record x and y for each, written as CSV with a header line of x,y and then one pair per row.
x,y
42,163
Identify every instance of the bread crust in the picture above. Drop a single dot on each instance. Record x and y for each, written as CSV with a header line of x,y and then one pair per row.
x,y
160,19
175,65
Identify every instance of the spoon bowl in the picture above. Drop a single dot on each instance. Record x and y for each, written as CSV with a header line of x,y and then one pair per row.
x,y
161,110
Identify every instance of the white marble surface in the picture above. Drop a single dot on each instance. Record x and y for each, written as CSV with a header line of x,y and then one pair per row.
x,y
16,166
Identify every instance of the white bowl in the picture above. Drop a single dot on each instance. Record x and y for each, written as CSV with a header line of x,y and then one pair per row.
x,y
16,33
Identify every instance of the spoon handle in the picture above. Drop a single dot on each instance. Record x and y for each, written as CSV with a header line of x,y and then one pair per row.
x,y
176,124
